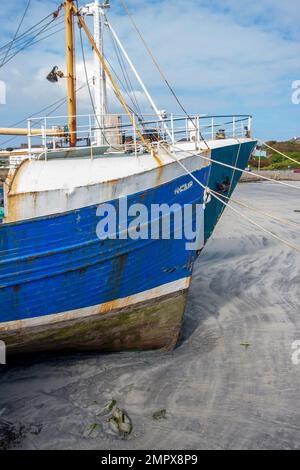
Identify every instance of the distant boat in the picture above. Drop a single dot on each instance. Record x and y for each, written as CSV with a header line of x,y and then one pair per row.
x,y
62,288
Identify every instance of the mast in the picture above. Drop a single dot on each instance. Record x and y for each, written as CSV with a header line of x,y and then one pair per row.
x,y
97,11
100,79
69,7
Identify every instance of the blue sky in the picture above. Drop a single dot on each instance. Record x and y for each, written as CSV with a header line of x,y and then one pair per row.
x,y
226,56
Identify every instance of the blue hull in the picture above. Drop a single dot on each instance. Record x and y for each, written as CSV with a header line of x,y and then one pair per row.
x,y
224,180
57,264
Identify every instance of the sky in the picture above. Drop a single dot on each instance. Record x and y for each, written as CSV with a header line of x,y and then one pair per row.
x,y
221,57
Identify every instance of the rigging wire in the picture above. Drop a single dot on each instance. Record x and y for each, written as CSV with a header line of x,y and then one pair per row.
x,y
27,44
215,194
226,204
130,92
121,86
247,206
255,209
159,68
128,84
171,88
260,211
285,242
17,31
26,33
64,100
33,30
38,41
17,46
129,88
59,104
100,127
282,183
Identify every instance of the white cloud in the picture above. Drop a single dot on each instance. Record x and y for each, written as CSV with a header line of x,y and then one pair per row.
x,y
220,56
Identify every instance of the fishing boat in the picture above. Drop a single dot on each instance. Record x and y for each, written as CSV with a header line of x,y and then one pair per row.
x,y
62,286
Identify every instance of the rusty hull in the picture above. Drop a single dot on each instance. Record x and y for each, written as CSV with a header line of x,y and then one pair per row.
x,y
150,325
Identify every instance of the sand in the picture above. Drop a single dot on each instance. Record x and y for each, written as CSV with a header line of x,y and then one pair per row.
x,y
230,384
279,175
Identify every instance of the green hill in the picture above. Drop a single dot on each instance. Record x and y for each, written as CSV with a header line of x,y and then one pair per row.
x,y
276,161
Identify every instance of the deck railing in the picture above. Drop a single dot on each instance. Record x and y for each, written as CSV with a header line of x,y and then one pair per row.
x,y
49,137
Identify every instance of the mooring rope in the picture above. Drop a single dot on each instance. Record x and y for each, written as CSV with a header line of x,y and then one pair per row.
x,y
236,163
266,178
255,209
212,193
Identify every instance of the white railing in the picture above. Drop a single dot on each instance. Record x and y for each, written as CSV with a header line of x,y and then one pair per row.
x,y
119,135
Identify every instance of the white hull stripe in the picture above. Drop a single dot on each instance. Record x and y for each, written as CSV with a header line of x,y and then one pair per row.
x,y
32,196
102,309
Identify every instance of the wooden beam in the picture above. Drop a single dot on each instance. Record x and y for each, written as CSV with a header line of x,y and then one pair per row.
x,y
24,132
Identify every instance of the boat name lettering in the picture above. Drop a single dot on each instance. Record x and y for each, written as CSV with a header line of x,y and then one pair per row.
x,y
183,188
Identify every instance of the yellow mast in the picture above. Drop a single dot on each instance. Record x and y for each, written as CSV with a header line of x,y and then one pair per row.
x,y
71,77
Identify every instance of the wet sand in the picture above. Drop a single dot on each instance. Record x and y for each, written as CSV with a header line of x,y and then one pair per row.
x,y
230,384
